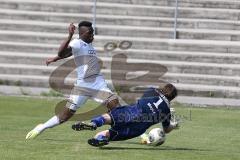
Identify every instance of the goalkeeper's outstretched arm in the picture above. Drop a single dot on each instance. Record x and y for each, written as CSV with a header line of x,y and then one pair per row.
x,y
172,126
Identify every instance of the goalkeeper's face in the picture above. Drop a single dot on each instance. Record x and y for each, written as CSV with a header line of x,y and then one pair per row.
x,y
169,91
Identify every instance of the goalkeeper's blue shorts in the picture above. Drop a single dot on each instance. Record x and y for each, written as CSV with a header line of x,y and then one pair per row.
x,y
127,123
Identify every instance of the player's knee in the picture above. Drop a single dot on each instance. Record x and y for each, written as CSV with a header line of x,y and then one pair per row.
x,y
107,119
65,115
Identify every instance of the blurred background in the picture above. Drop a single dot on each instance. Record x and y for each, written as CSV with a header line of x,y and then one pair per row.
x,y
197,42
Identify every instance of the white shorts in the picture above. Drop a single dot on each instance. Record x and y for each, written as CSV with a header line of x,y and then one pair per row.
x,y
99,85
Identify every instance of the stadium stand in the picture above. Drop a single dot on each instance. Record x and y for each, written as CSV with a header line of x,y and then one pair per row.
x,y
202,62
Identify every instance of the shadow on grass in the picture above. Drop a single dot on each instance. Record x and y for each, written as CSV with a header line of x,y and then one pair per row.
x,y
144,147
61,140
141,146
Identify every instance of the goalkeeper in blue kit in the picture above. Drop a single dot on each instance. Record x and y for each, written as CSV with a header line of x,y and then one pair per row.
x,y
133,120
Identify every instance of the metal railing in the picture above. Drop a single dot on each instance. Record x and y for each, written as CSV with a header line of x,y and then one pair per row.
x,y
175,17
94,14
175,20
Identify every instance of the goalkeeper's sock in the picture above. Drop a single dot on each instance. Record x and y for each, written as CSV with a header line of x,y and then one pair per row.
x,y
98,121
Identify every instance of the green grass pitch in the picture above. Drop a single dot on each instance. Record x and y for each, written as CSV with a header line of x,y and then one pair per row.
x,y
211,134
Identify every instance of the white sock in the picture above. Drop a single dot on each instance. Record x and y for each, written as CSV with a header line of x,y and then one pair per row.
x,y
54,121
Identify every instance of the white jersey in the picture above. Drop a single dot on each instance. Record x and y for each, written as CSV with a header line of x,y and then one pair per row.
x,y
85,59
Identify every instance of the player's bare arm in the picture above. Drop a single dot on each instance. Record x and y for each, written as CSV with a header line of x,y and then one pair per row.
x,y
52,59
64,50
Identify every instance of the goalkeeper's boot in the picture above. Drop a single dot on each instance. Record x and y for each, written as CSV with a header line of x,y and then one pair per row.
x,y
99,141
34,133
84,126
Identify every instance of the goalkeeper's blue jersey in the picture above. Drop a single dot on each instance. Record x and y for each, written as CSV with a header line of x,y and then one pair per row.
x,y
156,106
133,120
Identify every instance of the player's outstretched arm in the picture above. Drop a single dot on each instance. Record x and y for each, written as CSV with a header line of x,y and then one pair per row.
x,y
52,59
64,50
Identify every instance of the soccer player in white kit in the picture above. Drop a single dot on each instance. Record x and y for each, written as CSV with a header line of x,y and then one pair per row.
x,y
88,76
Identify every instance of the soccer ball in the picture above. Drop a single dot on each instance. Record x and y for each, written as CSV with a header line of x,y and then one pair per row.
x,y
156,137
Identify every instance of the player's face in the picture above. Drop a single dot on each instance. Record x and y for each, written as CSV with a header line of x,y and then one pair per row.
x,y
87,34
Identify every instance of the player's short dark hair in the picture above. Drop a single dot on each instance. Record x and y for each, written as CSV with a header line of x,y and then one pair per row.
x,y
169,91
85,23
